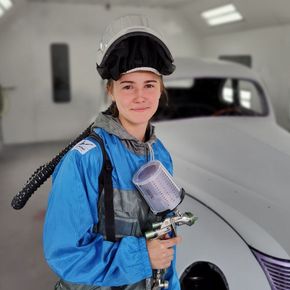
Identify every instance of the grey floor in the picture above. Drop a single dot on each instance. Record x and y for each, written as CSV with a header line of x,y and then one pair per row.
x,y
22,265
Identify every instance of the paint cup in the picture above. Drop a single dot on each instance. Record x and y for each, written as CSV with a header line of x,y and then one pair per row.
x,y
157,187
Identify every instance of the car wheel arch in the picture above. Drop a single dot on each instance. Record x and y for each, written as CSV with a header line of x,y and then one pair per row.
x,y
203,275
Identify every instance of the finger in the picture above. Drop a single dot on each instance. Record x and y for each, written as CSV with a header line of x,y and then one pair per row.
x,y
168,259
171,242
168,254
166,265
178,239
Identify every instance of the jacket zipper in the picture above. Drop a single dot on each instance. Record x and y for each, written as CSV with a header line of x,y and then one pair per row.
x,y
149,152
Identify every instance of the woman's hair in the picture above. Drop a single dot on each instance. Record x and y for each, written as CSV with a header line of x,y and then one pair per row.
x,y
113,110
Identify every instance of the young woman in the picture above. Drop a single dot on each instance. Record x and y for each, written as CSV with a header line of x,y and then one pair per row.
x,y
76,244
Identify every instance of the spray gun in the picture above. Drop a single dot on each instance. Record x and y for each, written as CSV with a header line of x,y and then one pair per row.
x,y
159,230
163,196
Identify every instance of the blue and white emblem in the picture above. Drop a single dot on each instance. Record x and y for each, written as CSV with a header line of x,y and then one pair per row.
x,y
84,146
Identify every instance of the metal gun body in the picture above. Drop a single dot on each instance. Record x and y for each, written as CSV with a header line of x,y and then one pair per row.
x,y
159,230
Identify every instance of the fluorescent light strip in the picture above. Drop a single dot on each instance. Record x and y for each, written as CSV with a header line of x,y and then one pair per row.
x,y
218,11
7,4
225,19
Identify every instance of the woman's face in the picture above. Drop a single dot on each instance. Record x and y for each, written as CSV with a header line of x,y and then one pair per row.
x,y
137,97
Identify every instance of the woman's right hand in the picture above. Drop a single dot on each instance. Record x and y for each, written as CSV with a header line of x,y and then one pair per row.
x,y
161,252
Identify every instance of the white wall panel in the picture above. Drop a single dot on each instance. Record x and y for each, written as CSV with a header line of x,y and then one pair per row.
x,y
25,57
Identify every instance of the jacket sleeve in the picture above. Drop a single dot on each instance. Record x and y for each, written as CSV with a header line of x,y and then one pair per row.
x,y
73,251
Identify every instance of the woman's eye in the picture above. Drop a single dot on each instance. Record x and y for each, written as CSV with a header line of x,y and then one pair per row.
x,y
149,86
128,87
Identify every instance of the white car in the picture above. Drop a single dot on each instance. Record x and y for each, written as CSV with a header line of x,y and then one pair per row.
x,y
233,160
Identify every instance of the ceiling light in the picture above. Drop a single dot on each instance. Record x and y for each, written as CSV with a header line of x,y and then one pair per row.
x,y
1,11
7,4
221,15
225,19
218,11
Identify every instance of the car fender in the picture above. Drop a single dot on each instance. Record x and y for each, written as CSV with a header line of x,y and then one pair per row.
x,y
211,239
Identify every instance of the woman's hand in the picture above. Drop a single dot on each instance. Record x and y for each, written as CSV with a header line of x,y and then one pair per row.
x,y
161,252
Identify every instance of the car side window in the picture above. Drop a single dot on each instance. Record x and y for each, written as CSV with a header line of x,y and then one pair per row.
x,y
246,94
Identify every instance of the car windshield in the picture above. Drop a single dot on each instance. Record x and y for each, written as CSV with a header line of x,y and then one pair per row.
x,y
206,97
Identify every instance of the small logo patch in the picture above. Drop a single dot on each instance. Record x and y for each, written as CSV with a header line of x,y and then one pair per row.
x,y
84,146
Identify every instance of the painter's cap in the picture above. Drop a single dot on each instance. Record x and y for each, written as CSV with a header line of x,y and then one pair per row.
x,y
130,42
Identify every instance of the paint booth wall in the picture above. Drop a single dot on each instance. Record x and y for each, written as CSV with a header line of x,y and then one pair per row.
x,y
30,114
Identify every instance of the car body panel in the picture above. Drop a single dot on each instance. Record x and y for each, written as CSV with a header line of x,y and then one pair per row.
x,y
237,171
212,240
239,184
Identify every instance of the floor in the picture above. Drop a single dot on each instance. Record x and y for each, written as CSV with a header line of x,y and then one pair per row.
x,y
22,263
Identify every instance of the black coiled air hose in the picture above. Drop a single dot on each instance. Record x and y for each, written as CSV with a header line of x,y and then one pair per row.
x,y
43,173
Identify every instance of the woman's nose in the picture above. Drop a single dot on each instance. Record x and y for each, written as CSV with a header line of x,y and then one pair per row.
x,y
139,95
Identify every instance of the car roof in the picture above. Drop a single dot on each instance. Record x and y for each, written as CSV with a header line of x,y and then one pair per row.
x,y
199,67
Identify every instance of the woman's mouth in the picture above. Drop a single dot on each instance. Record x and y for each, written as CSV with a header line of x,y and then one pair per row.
x,y
140,109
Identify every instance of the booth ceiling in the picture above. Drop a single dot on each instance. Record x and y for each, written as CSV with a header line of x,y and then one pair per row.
x,y
256,13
